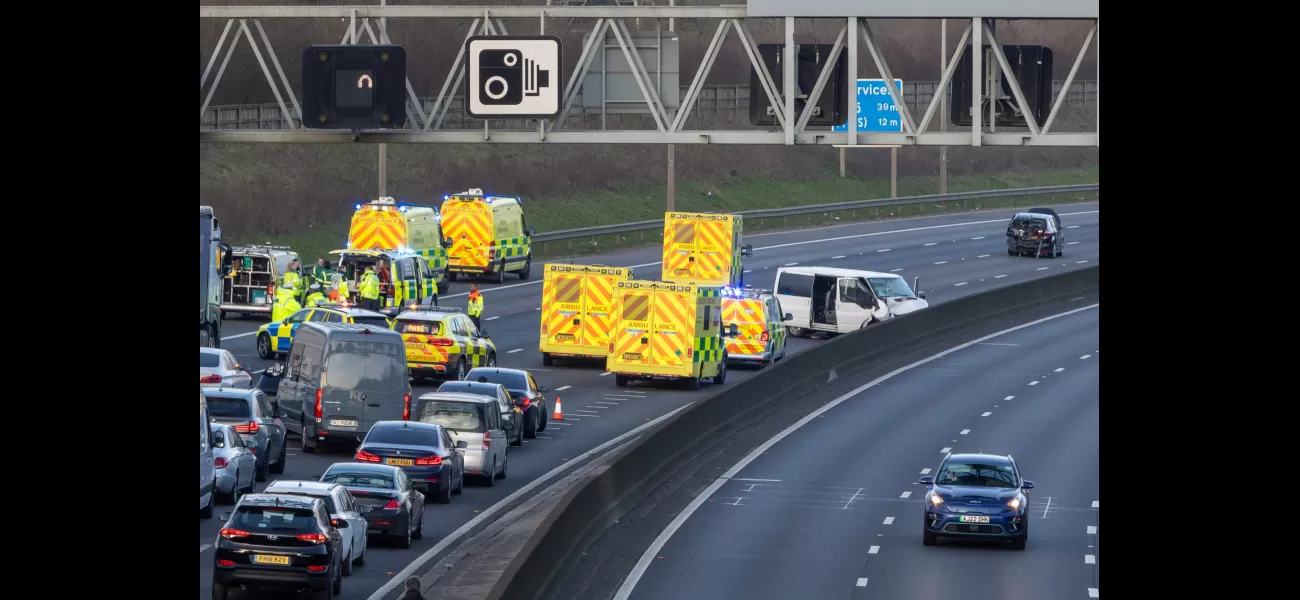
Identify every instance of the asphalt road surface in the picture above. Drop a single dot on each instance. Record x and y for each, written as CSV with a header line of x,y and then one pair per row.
x,y
954,255
832,511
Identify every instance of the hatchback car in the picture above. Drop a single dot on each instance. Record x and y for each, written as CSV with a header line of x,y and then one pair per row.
x,y
345,515
396,507
524,391
977,496
218,368
252,414
475,420
234,463
424,451
509,412
1036,234
278,542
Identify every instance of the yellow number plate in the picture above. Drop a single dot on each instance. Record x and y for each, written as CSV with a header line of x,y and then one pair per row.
x,y
401,462
263,559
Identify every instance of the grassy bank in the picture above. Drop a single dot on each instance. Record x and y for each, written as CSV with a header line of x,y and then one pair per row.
x,y
610,207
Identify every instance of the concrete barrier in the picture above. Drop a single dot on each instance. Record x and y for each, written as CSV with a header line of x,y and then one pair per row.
x,y
608,493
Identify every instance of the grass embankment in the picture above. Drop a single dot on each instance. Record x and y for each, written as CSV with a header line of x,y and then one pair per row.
x,y
610,207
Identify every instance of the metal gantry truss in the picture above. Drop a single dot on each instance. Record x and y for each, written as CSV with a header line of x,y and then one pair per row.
x,y
668,125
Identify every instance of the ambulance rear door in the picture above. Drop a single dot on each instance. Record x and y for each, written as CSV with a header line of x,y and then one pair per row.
x,y
749,315
377,228
468,223
597,305
634,312
562,305
675,318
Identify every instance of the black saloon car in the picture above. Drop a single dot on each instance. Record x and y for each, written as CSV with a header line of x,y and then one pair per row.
x,y
524,391
397,509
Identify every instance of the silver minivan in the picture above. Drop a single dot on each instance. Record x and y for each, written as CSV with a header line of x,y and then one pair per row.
x,y
475,420
342,378
207,462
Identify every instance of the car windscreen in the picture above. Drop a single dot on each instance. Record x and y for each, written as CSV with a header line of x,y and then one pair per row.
x,y
379,322
419,327
402,436
209,360
229,408
891,287
258,519
465,417
515,382
348,478
978,475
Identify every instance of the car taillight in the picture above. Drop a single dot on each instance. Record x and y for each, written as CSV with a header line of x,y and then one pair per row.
x,y
392,504
527,402
363,456
225,563
440,341
210,379
315,538
429,461
230,534
487,440
319,391
219,463
1045,233
406,407
317,568
763,337
251,427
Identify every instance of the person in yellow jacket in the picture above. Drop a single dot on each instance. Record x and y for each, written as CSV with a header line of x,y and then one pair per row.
x,y
292,279
368,288
315,298
475,306
285,305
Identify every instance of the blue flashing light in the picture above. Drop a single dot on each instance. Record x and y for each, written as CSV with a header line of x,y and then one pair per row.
x,y
446,197
402,208
358,207
347,244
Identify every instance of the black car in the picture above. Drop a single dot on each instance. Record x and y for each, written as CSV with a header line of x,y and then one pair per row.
x,y
278,542
524,391
397,508
509,410
423,450
1036,234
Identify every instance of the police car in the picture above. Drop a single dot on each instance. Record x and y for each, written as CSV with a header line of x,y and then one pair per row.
x,y
760,326
275,338
442,342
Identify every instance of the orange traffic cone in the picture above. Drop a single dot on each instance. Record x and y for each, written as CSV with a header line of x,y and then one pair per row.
x,y
559,414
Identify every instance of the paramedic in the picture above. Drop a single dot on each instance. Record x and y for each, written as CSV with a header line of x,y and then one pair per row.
x,y
369,289
284,305
315,297
475,307
320,272
292,279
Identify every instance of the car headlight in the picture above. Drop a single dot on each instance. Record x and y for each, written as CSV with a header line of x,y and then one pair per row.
x,y
1014,503
935,499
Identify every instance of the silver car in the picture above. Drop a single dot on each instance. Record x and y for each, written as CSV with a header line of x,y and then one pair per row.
x,y
475,420
218,368
252,414
236,465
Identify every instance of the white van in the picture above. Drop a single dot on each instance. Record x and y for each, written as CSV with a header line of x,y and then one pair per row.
x,y
841,300
207,462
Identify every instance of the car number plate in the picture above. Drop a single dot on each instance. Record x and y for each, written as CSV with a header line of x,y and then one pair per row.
x,y
401,462
974,519
266,559
343,423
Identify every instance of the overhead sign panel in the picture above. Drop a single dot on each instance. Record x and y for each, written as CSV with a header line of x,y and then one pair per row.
x,y
928,9
354,86
514,76
876,111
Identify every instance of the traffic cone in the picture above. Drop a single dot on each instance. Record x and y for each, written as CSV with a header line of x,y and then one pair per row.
x,y
559,414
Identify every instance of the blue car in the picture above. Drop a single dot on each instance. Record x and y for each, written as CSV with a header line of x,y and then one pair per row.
x,y
977,496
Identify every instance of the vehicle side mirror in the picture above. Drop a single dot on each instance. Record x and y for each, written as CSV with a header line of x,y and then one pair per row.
x,y
532,231
225,516
925,480
543,389
747,250
339,523
365,509
787,317
447,243
920,295
1027,485
509,425
732,330
461,445
315,477
483,333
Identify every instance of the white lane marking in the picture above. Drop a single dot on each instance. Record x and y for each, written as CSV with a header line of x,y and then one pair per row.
x,y
753,479
1092,530
1041,269
965,431
837,257
1096,503
942,262
538,308
1070,243
1059,369
999,276
204,548
1093,592
889,520
515,350
1085,357
238,335
873,550
790,264
1008,398
1072,227
1034,382
1047,507
862,582
1079,262
884,250
607,403
905,495
509,502
984,256
492,318
896,270
925,471
606,374
945,450
748,271
1089,559
986,414
855,497
978,238
557,423
932,243
648,557
562,388
959,284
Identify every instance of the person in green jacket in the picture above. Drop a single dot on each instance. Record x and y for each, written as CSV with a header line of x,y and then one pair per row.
x,y
320,272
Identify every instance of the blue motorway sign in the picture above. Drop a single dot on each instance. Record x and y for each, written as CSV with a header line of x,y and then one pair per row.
x,y
876,111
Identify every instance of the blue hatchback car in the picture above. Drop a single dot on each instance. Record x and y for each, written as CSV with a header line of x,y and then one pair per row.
x,y
424,451
977,496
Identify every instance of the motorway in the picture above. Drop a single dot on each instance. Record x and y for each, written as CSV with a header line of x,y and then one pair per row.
x,y
954,255
832,510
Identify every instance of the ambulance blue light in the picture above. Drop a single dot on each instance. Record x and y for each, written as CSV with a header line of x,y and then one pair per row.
x,y
446,197
402,208
358,206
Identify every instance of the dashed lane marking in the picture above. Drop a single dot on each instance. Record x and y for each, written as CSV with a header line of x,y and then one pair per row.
x,y
862,582
549,423
1072,227
562,388
906,495
748,271
605,374
1093,592
965,431
1059,369
945,450
790,264
204,547
1070,243
754,479
942,262
1092,530
1085,357
984,256
837,257
925,471
1041,268
515,350
1089,559
932,243
1096,503
492,318
896,270
1008,398
999,276
873,550
884,250
1034,382
986,414
1079,262
889,520
959,284
978,238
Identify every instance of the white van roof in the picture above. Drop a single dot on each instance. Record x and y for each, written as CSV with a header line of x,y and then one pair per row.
x,y
833,272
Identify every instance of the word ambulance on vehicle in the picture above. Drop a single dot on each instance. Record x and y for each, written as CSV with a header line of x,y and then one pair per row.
x,y
577,301
413,283
666,330
384,224
256,272
704,248
489,235
756,314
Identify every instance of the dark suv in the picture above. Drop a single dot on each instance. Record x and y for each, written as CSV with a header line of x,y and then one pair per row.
x,y
278,541
1036,233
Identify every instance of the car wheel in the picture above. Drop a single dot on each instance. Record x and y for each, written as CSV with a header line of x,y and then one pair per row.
x,y
499,276
451,277
264,347
929,539
546,416
460,370
337,587
278,468
519,440
308,446
530,428
504,465
492,475
460,483
621,380
1019,543
547,360
1011,252
721,377
206,512
443,497
220,591
692,383
405,541
262,471
528,268
492,360
796,331
347,563
419,529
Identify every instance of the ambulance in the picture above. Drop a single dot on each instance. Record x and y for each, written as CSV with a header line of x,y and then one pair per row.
x,y
413,283
666,330
760,325
703,248
488,235
386,225
576,307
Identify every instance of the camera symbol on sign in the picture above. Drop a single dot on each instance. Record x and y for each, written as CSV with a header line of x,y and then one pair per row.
x,y
506,77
